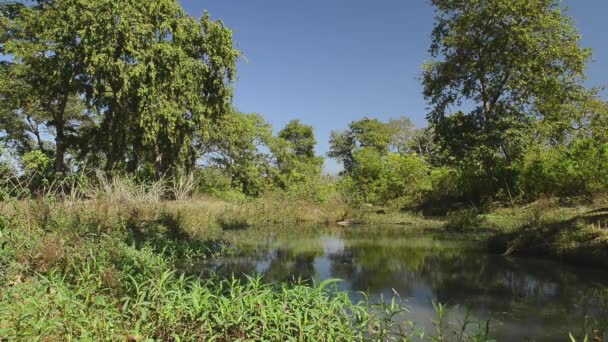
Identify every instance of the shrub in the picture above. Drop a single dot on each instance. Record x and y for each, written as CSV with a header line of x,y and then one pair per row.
x,y
579,169
464,219
397,179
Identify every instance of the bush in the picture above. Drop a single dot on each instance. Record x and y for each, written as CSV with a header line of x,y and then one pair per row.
x,y
212,181
578,170
394,179
464,219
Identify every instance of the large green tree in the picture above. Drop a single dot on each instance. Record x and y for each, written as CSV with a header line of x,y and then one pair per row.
x,y
152,77
181,78
41,83
499,66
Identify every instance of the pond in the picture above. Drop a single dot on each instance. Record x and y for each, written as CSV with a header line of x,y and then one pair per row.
x,y
524,299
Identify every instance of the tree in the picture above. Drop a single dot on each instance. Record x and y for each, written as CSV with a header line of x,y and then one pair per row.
x,y
365,133
403,133
300,137
511,62
151,76
393,178
156,89
240,147
422,142
45,71
296,162
408,139
13,124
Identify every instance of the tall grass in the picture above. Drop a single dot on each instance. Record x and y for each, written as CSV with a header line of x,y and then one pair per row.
x,y
546,229
118,262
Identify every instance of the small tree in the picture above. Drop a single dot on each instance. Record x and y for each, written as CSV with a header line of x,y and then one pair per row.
x,y
365,133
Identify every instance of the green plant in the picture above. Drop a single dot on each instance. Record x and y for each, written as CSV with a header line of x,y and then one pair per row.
x,y
464,219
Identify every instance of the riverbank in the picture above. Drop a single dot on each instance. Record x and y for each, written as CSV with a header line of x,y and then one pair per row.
x,y
87,271
101,269
575,234
129,267
545,228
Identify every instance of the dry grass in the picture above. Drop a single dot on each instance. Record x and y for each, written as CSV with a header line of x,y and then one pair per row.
x,y
575,234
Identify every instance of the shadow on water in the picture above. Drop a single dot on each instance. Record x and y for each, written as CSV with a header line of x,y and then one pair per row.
x,y
525,299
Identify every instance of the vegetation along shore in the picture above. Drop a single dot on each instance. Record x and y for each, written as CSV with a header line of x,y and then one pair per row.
x,y
129,180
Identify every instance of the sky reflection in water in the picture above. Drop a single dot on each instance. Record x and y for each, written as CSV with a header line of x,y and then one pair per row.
x,y
525,299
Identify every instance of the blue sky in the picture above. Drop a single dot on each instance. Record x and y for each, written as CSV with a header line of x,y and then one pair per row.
x,y
329,62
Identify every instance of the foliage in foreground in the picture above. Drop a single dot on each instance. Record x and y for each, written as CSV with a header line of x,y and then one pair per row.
x,y
74,270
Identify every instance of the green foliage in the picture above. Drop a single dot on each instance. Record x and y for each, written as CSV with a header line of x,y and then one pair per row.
x,y
71,282
298,167
213,181
120,97
513,62
464,219
392,179
365,133
300,137
239,147
580,169
384,163
245,151
68,273
38,167
36,162
445,183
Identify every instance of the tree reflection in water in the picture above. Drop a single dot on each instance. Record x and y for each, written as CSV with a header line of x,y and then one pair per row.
x,y
525,299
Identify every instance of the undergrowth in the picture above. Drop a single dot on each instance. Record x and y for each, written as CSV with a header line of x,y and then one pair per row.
x,y
99,270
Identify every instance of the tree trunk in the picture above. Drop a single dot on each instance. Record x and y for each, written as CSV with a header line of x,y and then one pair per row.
x,y
113,117
60,148
158,162
60,143
133,164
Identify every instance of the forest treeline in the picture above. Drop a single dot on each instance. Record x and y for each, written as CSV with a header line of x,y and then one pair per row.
x,y
142,89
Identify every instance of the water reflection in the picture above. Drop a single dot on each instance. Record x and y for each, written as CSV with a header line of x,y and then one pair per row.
x,y
525,299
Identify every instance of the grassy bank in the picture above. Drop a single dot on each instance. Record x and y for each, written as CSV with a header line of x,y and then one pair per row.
x,y
94,270
576,234
104,269
120,262
572,233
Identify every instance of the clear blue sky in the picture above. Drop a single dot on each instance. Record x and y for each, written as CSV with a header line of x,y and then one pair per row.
x,y
329,62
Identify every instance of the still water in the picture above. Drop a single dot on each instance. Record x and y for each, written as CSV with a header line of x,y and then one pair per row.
x,y
524,299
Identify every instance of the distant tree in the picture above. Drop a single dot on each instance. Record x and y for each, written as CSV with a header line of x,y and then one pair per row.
x,y
300,137
365,133
296,161
403,134
407,139
423,143
239,146
398,179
